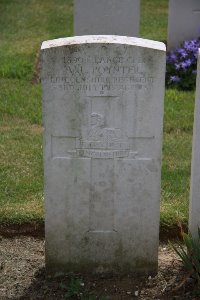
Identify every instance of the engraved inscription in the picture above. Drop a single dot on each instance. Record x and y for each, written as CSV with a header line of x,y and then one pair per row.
x,y
100,142
101,75
102,153
103,142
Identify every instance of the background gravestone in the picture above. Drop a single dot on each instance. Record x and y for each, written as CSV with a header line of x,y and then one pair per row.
x,y
194,214
107,17
103,115
183,22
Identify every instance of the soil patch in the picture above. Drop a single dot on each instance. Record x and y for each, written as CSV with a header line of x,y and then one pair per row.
x,y
36,229
22,276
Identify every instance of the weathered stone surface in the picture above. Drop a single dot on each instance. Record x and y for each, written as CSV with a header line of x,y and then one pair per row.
x,y
183,21
194,214
107,17
103,114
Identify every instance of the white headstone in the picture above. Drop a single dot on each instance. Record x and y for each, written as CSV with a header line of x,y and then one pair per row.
x,y
194,214
107,17
103,114
183,22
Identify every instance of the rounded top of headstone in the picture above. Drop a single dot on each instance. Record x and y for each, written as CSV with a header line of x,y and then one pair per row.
x,y
103,39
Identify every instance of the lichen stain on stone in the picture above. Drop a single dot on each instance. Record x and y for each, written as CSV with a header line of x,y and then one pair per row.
x,y
72,48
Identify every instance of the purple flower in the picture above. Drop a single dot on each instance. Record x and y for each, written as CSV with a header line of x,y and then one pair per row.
x,y
188,62
181,65
187,45
177,66
171,57
175,78
191,45
182,52
184,65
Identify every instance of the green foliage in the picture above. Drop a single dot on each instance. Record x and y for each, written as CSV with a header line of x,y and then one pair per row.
x,y
73,289
191,257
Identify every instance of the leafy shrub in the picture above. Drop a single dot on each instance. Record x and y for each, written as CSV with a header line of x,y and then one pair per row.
x,y
191,256
182,65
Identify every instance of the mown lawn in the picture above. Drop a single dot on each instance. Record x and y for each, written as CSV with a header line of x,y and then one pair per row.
x,y
24,25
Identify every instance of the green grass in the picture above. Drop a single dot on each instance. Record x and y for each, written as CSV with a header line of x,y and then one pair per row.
x,y
177,148
24,25
20,99
21,187
154,19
